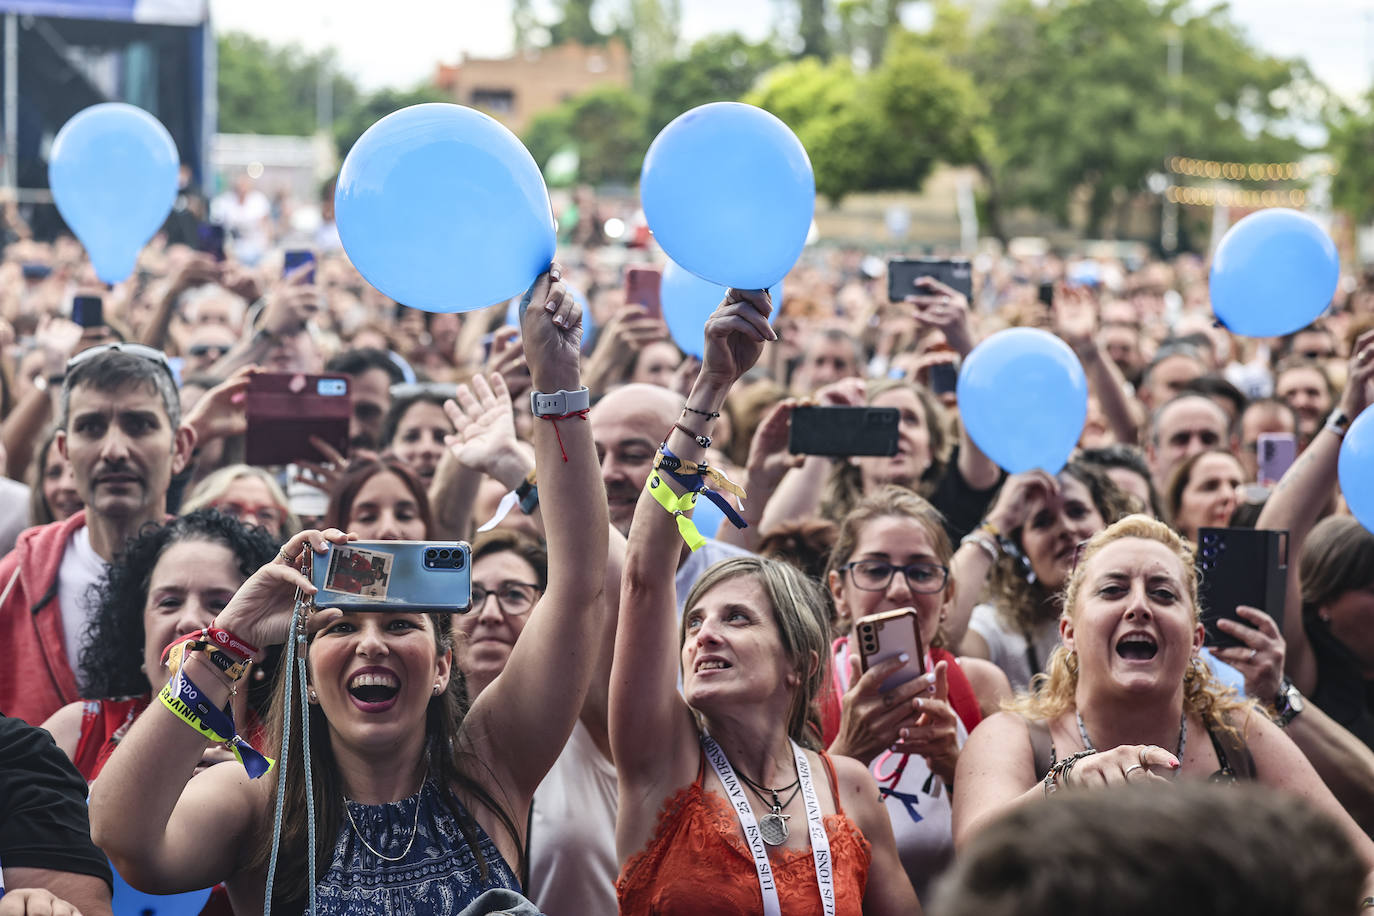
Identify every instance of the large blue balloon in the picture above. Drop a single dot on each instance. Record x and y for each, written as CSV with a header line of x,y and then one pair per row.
x,y
1273,273
1023,398
1355,468
126,901
728,191
443,209
689,300
113,174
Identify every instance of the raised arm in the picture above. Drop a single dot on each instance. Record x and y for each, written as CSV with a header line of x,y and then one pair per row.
x,y
484,444
1297,502
649,722
520,723
769,460
1075,320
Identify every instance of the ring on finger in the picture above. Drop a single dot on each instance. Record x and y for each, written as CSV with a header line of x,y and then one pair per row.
x,y
1253,653
1132,768
1141,756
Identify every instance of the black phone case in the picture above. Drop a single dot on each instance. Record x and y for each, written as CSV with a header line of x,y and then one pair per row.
x,y
903,272
840,431
1240,566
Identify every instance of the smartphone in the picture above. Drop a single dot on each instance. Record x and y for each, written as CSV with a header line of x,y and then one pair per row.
x,y
1275,454
284,409
211,240
1240,566
884,636
642,287
944,378
394,576
88,311
296,257
841,431
902,274
1046,294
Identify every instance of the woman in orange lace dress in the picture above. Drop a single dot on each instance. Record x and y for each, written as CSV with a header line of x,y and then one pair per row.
x,y
726,806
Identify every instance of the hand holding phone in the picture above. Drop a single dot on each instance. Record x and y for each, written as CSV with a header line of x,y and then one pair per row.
x,y
643,287
1274,455
285,410
1240,566
890,635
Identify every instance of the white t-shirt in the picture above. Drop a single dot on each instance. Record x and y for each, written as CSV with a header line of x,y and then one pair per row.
x,y
1007,645
573,864
81,569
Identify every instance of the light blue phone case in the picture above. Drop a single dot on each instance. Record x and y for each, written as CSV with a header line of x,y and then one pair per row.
x,y
423,576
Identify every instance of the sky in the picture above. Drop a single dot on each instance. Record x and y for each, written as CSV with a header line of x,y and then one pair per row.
x,y
400,42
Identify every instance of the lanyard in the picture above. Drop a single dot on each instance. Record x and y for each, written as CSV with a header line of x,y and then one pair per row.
x,y
820,843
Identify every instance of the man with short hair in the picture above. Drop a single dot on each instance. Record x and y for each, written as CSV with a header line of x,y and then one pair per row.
x,y
828,356
120,429
1304,386
1266,415
1174,366
1184,426
371,374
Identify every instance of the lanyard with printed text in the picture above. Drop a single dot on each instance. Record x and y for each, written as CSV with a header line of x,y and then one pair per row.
x,y
820,843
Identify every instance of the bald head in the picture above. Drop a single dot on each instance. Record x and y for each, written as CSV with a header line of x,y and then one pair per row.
x,y
627,426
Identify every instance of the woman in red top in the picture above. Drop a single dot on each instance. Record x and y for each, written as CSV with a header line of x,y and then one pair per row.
x,y
726,805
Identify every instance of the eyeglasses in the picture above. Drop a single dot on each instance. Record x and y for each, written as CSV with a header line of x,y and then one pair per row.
x,y
431,389
875,575
139,350
206,349
513,598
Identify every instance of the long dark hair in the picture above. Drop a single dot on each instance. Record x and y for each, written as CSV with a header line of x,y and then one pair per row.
x,y
450,764
111,663
345,492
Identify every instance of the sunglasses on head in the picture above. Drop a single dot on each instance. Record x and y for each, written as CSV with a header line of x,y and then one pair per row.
x,y
133,349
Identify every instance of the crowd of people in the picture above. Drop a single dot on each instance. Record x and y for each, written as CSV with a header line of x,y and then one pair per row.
x,y
640,714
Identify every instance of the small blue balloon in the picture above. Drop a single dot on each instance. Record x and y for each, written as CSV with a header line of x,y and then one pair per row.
x,y
1355,468
1023,398
729,193
126,901
442,208
1274,272
113,174
689,300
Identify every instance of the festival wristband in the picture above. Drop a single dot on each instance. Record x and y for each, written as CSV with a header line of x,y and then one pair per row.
x,y
682,467
175,654
678,507
188,703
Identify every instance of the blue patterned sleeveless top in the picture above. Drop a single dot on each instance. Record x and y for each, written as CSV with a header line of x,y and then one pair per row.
x,y
437,874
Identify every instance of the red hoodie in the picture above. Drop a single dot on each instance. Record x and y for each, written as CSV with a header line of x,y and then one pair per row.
x,y
35,678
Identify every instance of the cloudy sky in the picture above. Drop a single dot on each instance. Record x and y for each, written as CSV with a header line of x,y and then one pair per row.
x,y
399,42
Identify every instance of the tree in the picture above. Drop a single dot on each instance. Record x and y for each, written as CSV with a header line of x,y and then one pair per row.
x,y
1351,144
652,31
268,89
351,124
864,26
606,127
721,68
576,24
1083,106
812,29
882,130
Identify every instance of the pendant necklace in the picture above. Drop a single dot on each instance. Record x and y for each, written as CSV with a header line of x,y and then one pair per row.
x,y
1182,735
773,825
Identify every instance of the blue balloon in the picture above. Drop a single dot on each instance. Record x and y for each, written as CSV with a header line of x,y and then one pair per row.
x,y
707,516
113,174
129,902
1355,468
443,209
689,300
1274,272
1023,398
729,193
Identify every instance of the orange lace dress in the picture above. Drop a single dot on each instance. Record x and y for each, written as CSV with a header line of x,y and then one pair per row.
x,y
697,863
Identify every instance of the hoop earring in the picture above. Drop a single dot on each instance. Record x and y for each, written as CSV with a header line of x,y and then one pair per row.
x,y
1071,662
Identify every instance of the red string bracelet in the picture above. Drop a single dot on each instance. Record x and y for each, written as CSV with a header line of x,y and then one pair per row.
x,y
581,414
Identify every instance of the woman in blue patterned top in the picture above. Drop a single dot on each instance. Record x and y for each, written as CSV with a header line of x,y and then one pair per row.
x,y
420,805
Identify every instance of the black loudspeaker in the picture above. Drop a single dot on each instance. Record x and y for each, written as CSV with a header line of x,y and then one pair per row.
x,y
1240,566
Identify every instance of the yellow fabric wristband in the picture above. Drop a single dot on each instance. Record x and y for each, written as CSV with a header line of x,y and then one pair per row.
x,y
678,507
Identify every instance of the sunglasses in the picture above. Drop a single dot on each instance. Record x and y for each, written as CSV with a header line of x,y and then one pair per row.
x,y
207,349
132,349
433,389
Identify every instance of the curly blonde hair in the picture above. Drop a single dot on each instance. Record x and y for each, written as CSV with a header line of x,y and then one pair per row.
x,y
1052,693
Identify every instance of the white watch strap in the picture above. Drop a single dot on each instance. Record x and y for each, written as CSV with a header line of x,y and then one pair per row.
x,y
560,403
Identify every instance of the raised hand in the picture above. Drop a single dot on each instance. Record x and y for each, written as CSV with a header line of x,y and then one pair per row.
x,y
220,413
769,460
871,720
1260,659
1019,496
484,419
1359,386
260,611
945,308
935,734
551,330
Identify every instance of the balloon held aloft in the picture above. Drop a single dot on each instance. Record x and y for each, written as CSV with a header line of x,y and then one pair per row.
x,y
729,193
113,174
689,300
1023,398
443,209
1355,468
1274,272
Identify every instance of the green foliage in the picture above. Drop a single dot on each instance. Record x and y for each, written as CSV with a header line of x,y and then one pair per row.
x,y
1351,144
350,124
1083,106
881,130
605,125
721,68
267,89
576,24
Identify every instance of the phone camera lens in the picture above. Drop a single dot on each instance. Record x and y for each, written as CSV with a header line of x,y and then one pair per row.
x,y
443,554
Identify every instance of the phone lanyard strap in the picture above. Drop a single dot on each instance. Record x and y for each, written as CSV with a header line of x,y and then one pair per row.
x,y
820,843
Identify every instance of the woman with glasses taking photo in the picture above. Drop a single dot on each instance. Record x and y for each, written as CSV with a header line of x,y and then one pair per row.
x,y
891,554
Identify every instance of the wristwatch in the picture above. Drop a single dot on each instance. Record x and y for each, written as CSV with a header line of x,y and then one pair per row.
x,y
1289,703
560,403
1338,422
528,495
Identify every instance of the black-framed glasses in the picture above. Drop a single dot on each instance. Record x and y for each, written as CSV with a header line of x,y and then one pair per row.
x,y
875,575
140,350
513,598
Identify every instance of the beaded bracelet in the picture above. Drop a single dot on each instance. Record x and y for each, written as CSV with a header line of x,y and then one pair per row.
x,y
1062,768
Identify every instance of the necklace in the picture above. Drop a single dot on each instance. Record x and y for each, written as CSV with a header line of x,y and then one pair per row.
x,y
1182,735
414,829
773,825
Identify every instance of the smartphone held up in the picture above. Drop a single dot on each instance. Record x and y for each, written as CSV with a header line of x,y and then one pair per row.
x,y
394,577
